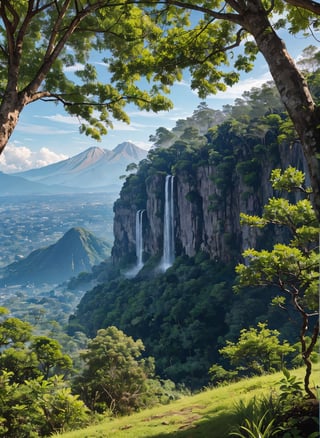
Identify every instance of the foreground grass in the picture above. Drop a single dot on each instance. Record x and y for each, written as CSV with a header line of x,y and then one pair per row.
x,y
207,414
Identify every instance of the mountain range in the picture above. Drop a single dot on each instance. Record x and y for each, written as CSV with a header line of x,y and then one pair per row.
x,y
94,170
77,251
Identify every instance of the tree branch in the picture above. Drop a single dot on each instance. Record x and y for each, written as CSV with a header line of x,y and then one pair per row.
x,y
234,18
309,5
226,49
54,33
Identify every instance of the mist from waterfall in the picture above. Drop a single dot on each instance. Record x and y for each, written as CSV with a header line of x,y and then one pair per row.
x,y
168,225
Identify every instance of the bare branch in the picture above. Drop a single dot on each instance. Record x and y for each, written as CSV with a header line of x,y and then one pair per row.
x,y
52,97
234,18
309,5
14,13
227,48
54,33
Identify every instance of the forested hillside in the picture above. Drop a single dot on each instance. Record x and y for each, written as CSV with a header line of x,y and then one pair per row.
x,y
214,271
150,331
187,313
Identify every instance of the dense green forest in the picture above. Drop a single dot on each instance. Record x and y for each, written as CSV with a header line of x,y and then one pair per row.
x,y
137,342
233,303
185,315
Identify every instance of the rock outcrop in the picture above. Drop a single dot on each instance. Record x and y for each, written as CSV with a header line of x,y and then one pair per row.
x,y
206,217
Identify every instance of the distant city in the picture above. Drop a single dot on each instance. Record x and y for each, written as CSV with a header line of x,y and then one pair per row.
x,y
29,223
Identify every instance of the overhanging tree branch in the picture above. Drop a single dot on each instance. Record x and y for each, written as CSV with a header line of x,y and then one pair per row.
x,y
51,97
309,5
218,15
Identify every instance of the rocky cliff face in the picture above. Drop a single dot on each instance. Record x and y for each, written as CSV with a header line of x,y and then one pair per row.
x,y
206,217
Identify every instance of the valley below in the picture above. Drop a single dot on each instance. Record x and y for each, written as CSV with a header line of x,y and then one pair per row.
x,y
32,222
29,223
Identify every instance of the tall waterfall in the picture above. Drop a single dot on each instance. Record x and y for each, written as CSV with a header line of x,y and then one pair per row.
x,y
139,246
168,224
139,238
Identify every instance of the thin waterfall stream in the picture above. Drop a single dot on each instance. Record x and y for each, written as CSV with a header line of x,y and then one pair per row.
x,y
168,224
139,238
139,245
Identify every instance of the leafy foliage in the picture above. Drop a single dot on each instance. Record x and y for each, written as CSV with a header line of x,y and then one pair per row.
x,y
62,34
32,403
282,414
295,417
292,268
183,316
258,350
50,357
261,428
115,377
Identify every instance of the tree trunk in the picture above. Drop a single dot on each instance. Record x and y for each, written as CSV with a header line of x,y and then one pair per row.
x,y
10,109
306,351
294,93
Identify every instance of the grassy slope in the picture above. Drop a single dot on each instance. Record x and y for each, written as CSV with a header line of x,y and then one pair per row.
x,y
208,414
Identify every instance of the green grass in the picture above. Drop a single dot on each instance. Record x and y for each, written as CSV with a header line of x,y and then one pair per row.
x,y
207,414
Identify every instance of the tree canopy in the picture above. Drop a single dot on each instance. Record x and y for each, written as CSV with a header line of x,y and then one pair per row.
x,y
40,40
206,36
156,40
115,376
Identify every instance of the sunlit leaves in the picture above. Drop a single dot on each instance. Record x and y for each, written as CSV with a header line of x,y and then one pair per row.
x,y
32,404
115,376
13,332
251,220
257,350
280,211
301,19
290,179
60,35
292,267
243,63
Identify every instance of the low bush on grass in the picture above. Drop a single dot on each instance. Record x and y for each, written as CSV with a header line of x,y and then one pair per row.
x,y
286,414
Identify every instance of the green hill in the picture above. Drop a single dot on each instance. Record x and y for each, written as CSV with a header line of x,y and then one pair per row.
x,y
209,414
77,251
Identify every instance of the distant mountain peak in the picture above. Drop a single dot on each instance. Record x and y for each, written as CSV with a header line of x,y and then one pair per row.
x,y
88,157
93,169
128,150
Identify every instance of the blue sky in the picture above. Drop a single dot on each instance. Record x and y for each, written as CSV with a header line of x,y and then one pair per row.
x,y
46,133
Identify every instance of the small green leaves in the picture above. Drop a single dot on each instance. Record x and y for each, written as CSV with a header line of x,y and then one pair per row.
x,y
292,267
257,349
252,221
290,179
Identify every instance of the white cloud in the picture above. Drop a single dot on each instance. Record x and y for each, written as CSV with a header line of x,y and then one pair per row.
x,y
148,114
239,88
170,115
72,68
121,126
45,156
101,63
19,158
69,120
40,129
183,83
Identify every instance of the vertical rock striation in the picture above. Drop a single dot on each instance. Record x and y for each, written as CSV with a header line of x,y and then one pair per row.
x,y
206,217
